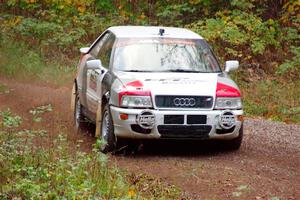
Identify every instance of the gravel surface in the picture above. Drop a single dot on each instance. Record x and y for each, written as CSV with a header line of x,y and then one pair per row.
x,y
275,135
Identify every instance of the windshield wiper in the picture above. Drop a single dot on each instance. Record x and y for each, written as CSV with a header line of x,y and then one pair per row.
x,y
135,70
183,70
169,70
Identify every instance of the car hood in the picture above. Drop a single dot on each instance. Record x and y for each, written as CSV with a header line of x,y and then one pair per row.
x,y
197,84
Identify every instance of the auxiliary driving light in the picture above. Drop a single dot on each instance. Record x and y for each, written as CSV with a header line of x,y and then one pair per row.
x,y
146,119
227,119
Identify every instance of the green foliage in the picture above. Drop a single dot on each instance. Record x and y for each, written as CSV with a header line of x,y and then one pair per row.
x,y
41,173
249,30
173,14
4,89
9,121
36,112
276,100
17,57
275,198
34,28
254,109
105,5
41,109
291,34
242,4
239,30
19,61
291,67
54,34
61,36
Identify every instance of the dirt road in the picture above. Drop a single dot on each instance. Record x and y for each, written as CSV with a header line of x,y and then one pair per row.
x,y
266,167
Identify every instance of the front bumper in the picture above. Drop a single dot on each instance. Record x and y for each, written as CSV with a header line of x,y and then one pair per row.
x,y
123,128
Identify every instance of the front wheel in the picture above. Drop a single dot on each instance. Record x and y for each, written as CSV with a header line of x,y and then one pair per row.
x,y
107,132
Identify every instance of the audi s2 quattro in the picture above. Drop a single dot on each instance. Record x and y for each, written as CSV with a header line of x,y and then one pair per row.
x,y
139,82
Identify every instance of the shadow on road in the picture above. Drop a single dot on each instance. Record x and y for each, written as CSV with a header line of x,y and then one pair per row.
x,y
173,148
144,148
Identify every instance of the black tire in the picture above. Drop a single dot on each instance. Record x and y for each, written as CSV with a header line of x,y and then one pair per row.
x,y
107,132
79,118
235,143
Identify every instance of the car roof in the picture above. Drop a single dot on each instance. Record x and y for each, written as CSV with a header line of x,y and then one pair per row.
x,y
152,31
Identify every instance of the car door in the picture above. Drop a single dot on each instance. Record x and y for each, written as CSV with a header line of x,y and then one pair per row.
x,y
102,51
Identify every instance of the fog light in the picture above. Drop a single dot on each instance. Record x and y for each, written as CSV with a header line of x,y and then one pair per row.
x,y
123,116
146,119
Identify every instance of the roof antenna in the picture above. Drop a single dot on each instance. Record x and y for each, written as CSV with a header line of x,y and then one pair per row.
x,y
161,31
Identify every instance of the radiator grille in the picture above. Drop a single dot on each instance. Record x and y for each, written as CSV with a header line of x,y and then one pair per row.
x,y
164,101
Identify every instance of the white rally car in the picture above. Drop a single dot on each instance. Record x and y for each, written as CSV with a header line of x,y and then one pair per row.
x,y
156,83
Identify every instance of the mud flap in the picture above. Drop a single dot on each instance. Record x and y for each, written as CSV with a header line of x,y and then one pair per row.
x,y
73,97
98,121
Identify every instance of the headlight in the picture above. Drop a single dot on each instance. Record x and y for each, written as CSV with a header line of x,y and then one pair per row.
x,y
136,101
228,103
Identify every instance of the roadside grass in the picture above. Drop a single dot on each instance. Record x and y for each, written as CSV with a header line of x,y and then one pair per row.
x,y
4,89
34,165
19,61
272,98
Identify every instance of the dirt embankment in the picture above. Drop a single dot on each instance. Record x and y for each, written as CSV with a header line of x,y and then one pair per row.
x,y
266,167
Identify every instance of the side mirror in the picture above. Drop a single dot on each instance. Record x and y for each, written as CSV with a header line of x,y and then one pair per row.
x,y
84,50
231,65
94,64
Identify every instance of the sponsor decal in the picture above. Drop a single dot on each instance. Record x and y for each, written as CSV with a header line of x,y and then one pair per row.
x,y
227,119
179,81
136,41
226,91
146,119
135,84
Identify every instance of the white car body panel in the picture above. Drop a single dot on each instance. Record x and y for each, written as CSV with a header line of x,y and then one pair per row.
x,y
174,83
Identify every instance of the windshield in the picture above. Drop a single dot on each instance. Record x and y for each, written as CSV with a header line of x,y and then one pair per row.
x,y
164,55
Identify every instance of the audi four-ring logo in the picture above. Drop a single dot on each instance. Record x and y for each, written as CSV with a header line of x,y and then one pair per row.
x,y
187,102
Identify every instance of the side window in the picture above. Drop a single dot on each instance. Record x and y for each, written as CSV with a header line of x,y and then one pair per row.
x,y
105,50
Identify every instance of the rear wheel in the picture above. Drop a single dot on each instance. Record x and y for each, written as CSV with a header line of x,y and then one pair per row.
x,y
107,132
235,143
